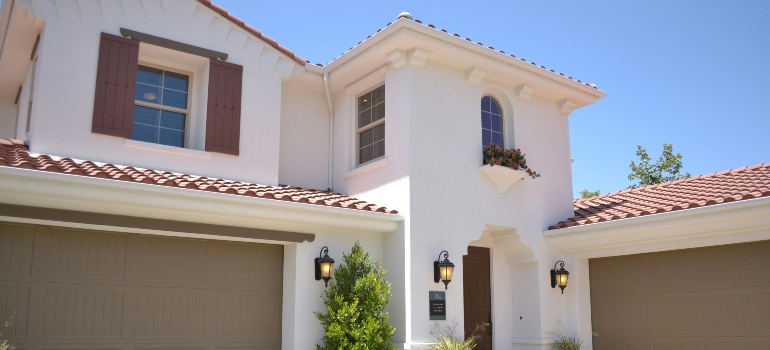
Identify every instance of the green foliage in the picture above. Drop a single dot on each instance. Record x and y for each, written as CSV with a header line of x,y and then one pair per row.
x,y
666,169
446,338
562,341
585,193
355,300
4,344
512,158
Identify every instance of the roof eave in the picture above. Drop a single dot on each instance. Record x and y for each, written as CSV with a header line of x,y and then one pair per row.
x,y
462,43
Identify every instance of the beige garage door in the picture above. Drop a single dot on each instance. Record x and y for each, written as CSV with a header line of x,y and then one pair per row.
x,y
715,298
76,289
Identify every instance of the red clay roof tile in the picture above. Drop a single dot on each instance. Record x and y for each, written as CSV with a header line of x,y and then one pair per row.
x,y
14,154
699,191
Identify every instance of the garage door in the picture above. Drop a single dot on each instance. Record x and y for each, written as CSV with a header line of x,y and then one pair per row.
x,y
76,289
707,298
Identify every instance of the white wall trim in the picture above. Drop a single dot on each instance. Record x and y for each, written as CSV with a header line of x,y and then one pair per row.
x,y
382,162
728,223
154,147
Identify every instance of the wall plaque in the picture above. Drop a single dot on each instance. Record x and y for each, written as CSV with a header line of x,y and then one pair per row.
x,y
437,302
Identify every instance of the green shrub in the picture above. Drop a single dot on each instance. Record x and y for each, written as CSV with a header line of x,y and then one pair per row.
x,y
446,338
355,300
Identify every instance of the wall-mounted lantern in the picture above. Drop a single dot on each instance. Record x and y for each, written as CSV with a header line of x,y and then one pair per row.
x,y
559,277
442,270
324,265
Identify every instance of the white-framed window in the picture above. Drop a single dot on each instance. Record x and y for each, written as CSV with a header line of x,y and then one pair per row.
x,y
161,106
370,125
491,122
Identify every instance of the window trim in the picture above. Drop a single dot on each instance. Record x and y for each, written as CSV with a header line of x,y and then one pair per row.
x,y
502,118
187,112
371,125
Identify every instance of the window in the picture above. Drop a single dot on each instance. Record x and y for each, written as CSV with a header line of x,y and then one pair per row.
x,y
371,125
491,122
161,107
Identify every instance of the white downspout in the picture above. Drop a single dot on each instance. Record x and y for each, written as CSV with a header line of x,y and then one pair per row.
x,y
331,130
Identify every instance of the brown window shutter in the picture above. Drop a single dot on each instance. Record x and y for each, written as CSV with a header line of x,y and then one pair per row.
x,y
223,117
115,86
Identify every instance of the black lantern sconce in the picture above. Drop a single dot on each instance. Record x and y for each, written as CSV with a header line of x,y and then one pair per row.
x,y
442,270
324,265
559,277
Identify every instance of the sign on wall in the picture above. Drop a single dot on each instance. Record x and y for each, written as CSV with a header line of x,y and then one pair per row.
x,y
437,302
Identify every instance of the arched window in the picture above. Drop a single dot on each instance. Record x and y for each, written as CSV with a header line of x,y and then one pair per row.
x,y
491,122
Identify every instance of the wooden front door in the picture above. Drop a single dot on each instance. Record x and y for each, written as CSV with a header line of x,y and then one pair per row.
x,y
477,295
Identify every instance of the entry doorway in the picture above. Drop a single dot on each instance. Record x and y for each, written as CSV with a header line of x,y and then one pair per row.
x,y
477,294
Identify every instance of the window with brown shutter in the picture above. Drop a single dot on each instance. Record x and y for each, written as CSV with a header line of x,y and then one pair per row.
x,y
115,86
223,117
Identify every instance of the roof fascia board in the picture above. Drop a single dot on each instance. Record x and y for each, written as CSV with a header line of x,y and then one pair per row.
x,y
735,222
461,43
72,192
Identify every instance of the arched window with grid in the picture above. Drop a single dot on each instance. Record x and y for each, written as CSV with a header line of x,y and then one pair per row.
x,y
491,122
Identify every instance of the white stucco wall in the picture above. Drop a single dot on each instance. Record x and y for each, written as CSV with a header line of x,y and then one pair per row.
x,y
61,123
304,147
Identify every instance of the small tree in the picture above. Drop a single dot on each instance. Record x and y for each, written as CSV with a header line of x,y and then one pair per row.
x,y
355,300
666,169
585,193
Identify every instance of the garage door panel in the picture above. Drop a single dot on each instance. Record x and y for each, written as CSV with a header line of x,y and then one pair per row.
x,y
243,315
164,313
96,290
82,254
698,298
622,276
14,301
166,259
240,264
16,246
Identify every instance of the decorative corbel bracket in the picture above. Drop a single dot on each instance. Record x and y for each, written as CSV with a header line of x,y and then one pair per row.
x,y
524,92
566,106
398,58
418,56
473,75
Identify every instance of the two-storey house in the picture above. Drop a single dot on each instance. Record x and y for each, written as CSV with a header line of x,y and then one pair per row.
x,y
168,174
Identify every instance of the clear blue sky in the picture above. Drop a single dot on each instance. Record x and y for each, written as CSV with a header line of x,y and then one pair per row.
x,y
692,73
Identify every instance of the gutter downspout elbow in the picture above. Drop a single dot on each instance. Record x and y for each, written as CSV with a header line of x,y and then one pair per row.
x,y
331,130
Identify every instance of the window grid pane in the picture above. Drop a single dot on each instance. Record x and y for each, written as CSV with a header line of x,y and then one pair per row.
x,y
371,109
491,122
161,88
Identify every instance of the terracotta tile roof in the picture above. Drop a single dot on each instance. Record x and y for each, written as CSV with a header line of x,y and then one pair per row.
x,y
253,31
704,190
467,39
14,153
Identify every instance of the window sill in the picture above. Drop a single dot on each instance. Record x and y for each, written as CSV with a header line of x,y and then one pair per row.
x,y
367,167
147,146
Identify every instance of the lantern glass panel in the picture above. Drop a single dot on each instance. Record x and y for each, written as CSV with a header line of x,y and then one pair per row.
x,y
446,272
562,279
326,269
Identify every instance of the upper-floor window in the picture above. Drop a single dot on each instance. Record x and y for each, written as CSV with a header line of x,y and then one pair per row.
x,y
491,122
161,106
371,125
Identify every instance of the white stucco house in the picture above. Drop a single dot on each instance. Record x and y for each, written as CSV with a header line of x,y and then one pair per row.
x,y
168,174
